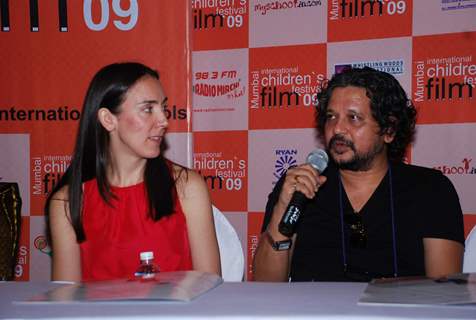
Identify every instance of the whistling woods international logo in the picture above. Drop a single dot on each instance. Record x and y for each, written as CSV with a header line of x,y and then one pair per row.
x,y
450,5
395,67
264,7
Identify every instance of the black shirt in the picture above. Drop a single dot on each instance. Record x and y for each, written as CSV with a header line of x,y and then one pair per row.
x,y
426,205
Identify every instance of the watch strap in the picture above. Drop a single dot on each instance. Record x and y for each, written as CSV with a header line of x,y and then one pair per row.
x,y
282,245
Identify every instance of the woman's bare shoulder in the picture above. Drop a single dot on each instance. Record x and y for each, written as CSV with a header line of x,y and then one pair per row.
x,y
61,194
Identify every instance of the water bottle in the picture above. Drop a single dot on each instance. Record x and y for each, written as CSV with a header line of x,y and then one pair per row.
x,y
147,268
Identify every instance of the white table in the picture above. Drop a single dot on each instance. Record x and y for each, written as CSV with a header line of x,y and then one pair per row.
x,y
247,300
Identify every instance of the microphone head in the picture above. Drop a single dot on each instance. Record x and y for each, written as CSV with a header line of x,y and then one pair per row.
x,y
318,159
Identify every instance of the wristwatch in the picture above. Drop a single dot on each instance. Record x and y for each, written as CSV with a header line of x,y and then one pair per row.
x,y
282,245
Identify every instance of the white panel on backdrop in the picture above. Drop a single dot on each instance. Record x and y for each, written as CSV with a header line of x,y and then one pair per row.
x,y
389,55
40,251
450,148
436,17
180,147
15,165
239,221
271,153
220,90
287,23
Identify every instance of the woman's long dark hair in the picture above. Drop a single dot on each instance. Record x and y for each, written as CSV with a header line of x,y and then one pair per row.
x,y
91,155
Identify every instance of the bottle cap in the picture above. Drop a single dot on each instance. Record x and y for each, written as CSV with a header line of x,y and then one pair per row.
x,y
147,255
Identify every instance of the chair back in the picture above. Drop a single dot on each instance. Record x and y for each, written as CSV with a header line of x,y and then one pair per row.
x,y
231,252
469,262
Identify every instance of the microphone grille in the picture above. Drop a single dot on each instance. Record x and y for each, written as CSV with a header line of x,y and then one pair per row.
x,y
318,159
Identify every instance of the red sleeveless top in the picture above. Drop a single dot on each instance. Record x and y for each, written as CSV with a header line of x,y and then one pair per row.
x,y
115,236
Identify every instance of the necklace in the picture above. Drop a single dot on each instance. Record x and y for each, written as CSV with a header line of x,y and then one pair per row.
x,y
392,213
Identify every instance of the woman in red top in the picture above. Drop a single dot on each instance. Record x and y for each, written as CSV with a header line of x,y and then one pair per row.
x,y
120,196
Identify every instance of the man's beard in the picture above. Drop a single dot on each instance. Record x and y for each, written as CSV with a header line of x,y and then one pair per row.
x,y
360,161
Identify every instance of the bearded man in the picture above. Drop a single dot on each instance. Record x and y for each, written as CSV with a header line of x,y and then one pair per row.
x,y
369,215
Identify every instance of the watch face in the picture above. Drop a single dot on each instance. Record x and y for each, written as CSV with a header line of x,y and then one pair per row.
x,y
282,245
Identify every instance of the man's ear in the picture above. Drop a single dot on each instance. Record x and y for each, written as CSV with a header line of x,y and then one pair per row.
x,y
389,133
107,119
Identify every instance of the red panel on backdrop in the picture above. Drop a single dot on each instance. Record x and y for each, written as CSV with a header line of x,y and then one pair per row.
x,y
222,159
469,223
283,84
219,24
45,73
47,60
361,20
255,221
444,77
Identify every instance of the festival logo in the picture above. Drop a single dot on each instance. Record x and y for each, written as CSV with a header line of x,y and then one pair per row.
x,y
219,88
222,160
284,82
293,22
255,221
361,19
219,24
444,77
47,170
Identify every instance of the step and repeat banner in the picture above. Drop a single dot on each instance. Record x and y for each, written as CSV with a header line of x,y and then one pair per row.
x,y
257,66
242,79
49,51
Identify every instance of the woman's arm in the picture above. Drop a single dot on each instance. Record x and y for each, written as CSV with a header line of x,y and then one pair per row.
x,y
196,205
66,265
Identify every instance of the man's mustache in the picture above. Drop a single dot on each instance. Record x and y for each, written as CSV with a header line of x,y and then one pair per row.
x,y
340,139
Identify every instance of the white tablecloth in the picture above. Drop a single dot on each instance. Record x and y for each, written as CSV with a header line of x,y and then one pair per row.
x,y
247,300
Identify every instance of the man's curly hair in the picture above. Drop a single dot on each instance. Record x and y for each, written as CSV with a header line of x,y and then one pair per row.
x,y
390,106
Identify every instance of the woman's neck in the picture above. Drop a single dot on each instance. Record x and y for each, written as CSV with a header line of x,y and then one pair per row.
x,y
122,173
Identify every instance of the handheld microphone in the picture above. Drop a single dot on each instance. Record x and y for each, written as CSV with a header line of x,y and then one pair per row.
x,y
318,159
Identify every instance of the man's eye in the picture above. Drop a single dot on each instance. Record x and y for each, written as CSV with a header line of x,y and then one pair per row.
x,y
330,116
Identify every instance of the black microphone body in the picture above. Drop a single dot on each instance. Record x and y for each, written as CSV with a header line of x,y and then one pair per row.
x,y
318,159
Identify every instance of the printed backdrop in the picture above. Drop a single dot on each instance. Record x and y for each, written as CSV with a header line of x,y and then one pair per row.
x,y
242,77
